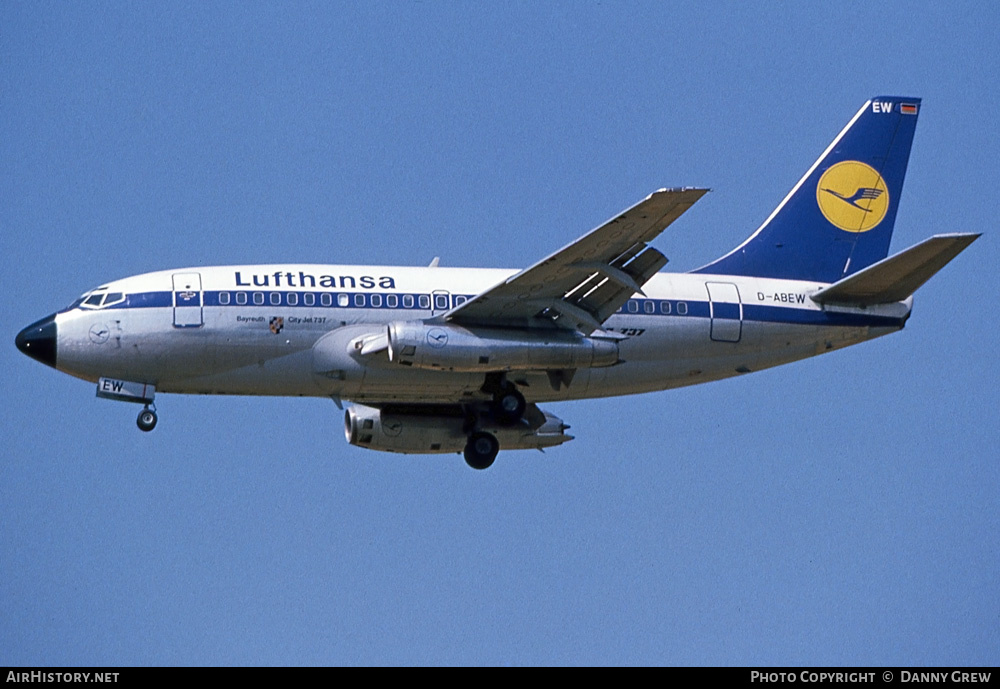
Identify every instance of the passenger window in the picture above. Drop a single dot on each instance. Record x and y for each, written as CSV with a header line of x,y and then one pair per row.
x,y
241,298
223,298
424,301
682,308
359,300
258,298
293,298
408,301
309,299
649,306
633,306
343,300
376,300
665,307
440,301
326,299
275,298
391,300
459,300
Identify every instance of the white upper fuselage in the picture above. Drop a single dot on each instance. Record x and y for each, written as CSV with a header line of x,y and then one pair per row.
x,y
270,330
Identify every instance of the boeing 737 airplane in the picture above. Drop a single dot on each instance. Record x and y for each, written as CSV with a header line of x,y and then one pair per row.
x,y
448,360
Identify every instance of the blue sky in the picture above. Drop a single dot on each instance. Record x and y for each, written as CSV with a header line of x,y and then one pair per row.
x,y
840,510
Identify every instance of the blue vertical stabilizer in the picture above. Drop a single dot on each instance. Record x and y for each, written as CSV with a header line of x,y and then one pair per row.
x,y
838,219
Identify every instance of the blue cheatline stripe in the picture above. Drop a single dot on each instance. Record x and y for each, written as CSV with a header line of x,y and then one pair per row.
x,y
144,300
778,314
725,310
645,308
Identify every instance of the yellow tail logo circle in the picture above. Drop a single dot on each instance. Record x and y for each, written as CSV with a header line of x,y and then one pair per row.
x,y
852,196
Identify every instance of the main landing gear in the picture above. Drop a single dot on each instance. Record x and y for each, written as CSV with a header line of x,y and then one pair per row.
x,y
481,450
147,419
507,408
508,403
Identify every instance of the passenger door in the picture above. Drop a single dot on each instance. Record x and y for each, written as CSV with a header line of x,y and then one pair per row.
x,y
187,300
726,311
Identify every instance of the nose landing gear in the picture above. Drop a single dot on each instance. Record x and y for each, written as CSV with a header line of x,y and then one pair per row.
x,y
131,391
146,420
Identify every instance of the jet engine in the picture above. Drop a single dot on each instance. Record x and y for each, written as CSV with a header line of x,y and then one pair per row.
x,y
429,429
456,348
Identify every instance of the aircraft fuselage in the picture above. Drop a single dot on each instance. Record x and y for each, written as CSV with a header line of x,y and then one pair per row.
x,y
255,330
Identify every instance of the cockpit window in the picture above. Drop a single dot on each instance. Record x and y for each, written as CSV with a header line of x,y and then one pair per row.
x,y
99,298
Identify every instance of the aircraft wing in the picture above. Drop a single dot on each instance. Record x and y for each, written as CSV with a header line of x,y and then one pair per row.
x,y
582,284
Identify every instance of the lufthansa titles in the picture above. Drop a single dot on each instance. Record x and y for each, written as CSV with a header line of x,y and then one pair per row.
x,y
304,279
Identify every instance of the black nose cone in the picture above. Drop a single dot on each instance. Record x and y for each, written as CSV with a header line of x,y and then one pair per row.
x,y
38,341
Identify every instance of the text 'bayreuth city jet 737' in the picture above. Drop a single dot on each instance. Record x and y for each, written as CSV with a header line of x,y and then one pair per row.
x,y
448,360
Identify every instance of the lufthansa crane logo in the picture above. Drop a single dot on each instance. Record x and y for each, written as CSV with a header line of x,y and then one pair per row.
x,y
437,338
852,196
99,333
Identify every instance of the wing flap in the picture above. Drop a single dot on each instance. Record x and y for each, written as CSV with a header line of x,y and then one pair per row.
x,y
897,277
610,295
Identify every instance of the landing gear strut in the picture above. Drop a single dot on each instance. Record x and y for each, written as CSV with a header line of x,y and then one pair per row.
x,y
481,450
147,419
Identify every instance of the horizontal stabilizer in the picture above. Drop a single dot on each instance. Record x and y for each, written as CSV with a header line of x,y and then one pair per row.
x,y
897,277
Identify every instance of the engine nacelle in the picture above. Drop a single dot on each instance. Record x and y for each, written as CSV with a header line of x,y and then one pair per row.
x,y
443,430
455,348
